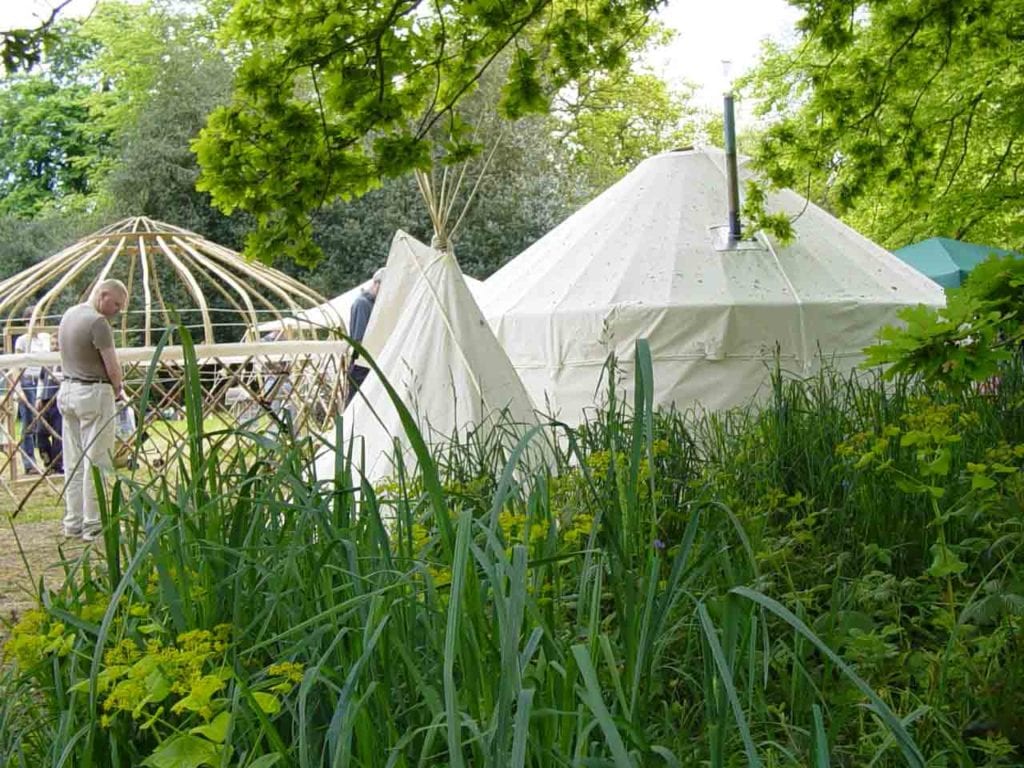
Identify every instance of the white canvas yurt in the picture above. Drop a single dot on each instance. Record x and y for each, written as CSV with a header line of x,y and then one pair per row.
x,y
649,258
439,354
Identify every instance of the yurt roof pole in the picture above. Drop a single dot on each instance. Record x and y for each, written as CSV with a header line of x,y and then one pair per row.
x,y
191,286
735,230
441,200
147,295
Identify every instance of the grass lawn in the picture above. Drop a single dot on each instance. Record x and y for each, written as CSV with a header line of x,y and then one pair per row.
x,y
31,511
31,503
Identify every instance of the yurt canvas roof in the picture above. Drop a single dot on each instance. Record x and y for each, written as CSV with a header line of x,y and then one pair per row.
x,y
440,356
648,258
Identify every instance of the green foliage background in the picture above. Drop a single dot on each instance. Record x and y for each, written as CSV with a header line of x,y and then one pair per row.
x,y
103,129
904,118
832,578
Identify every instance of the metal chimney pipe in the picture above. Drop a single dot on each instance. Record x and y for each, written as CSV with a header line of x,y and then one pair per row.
x,y
732,175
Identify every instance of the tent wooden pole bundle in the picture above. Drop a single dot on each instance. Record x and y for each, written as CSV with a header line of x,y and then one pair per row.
x,y
440,192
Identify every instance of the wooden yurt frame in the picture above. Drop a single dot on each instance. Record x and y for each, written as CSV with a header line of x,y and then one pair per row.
x,y
298,380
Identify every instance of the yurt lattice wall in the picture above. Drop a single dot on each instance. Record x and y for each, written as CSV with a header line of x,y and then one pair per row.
x,y
175,279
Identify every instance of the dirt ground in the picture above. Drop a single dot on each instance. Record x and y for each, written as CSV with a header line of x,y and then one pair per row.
x,y
39,542
33,536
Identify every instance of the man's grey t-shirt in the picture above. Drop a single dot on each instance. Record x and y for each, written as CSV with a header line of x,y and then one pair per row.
x,y
82,334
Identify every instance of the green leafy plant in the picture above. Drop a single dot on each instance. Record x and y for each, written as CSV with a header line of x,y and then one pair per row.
x,y
966,342
739,588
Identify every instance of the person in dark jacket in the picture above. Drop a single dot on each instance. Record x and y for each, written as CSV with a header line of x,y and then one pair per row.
x,y
50,422
359,319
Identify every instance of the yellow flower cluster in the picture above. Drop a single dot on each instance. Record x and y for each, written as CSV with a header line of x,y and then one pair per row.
x,y
139,679
35,637
422,537
95,610
867,447
1000,469
577,532
513,528
288,674
476,487
440,575
927,416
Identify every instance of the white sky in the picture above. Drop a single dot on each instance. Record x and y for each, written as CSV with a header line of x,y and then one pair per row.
x,y
31,13
707,32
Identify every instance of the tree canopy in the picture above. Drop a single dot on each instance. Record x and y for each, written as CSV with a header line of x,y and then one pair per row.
x,y
613,120
329,102
101,129
904,118
65,124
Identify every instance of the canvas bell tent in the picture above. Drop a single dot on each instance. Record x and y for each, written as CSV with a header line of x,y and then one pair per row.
x,y
649,258
404,270
441,357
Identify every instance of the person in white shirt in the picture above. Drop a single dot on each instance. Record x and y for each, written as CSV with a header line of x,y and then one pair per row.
x,y
28,343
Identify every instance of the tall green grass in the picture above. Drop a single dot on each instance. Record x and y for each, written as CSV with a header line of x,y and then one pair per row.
x,y
725,589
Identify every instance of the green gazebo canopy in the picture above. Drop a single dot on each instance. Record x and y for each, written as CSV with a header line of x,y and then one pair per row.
x,y
947,261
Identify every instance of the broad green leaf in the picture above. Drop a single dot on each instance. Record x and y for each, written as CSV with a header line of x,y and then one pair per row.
x,y
982,483
184,751
268,702
157,686
200,695
945,562
216,730
939,466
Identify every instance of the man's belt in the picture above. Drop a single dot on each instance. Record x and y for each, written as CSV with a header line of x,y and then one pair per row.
x,y
77,380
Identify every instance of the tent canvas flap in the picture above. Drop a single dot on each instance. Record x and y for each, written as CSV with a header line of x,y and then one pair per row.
x,y
442,358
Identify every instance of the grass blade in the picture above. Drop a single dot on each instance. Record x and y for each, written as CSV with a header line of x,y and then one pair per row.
x,y
820,739
725,675
595,703
451,636
521,727
910,750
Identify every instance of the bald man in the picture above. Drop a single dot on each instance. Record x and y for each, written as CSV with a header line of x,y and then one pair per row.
x,y
92,383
